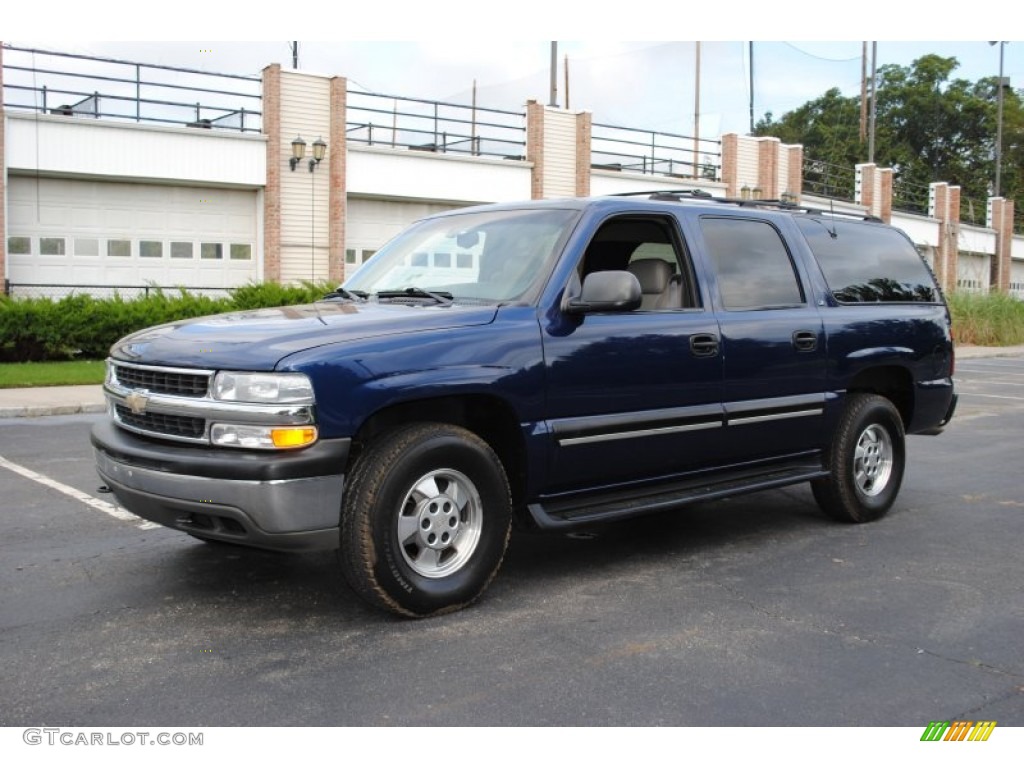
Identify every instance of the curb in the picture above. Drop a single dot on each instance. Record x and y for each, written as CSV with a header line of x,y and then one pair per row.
x,y
29,411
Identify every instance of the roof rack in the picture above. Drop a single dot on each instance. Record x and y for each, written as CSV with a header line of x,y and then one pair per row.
x,y
677,195
788,205
667,194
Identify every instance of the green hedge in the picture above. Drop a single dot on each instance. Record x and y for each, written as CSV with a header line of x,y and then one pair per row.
x,y
80,326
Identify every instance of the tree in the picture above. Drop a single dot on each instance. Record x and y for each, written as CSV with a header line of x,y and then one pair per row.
x,y
929,127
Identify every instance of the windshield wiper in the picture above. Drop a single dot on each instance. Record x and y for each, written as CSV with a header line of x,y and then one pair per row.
x,y
440,297
341,293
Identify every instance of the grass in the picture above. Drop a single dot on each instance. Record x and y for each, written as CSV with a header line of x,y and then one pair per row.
x,y
51,374
987,319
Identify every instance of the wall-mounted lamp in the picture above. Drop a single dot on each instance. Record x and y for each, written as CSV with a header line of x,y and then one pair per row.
x,y
299,152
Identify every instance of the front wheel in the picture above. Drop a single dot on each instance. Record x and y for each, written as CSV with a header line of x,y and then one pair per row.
x,y
866,461
425,520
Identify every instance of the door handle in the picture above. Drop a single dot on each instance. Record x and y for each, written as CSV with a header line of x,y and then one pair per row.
x,y
805,341
704,344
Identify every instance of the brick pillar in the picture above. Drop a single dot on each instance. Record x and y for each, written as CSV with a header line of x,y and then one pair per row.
x,y
1002,223
794,181
938,209
768,168
730,164
944,207
272,191
953,236
337,196
3,183
584,131
885,177
865,188
535,147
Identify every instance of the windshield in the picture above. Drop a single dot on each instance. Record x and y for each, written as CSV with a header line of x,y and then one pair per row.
x,y
496,256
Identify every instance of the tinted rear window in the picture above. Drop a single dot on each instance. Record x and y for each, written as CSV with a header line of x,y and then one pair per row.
x,y
868,262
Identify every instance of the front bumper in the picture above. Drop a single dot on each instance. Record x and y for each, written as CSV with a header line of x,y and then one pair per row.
x,y
282,501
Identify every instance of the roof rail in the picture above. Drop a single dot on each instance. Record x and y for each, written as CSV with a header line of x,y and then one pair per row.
x,y
677,195
667,194
788,205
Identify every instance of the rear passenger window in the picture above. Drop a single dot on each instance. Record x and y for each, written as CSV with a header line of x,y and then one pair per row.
x,y
753,266
868,262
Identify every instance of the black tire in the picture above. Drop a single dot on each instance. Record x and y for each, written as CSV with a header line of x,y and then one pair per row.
x,y
425,520
866,461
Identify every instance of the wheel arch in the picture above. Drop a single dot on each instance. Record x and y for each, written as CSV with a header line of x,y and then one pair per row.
x,y
892,382
491,418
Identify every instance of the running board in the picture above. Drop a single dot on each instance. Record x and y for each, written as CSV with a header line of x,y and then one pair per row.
x,y
564,514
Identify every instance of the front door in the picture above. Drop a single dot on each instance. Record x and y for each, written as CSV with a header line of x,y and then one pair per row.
x,y
634,396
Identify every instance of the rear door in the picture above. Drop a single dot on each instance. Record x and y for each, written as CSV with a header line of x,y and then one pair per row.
x,y
773,342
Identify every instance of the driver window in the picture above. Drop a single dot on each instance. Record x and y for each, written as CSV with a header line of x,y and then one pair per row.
x,y
646,247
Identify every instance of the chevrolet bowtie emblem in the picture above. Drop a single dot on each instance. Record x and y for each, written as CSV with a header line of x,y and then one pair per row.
x,y
137,402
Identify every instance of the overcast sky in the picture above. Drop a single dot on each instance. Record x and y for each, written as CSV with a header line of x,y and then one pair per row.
x,y
446,46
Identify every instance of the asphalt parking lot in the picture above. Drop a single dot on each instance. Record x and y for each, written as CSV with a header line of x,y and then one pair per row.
x,y
750,611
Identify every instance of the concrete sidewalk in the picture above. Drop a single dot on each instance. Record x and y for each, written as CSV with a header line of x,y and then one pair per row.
x,y
51,401
54,401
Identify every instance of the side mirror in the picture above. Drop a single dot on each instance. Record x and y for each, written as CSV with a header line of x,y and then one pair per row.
x,y
612,291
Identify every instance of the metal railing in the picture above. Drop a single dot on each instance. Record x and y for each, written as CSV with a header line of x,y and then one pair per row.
x,y
973,211
823,179
909,196
616,148
50,82
378,119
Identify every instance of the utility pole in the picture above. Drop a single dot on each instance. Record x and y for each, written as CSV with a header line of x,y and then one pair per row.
x,y
565,75
696,116
295,54
874,101
863,91
999,119
750,46
553,101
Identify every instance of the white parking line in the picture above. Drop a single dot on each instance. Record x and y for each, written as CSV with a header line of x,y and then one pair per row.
x,y
997,397
103,506
990,381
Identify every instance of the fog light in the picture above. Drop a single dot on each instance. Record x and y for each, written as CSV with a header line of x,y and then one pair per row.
x,y
265,438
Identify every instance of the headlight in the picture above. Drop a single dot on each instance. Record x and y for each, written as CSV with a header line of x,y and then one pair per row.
x,y
262,387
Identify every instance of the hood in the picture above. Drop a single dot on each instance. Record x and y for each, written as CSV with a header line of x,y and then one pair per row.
x,y
257,339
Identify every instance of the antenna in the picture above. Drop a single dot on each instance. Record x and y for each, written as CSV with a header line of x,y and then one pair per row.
x,y
832,210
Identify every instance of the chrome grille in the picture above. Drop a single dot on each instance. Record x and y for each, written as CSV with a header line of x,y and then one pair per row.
x,y
162,423
163,381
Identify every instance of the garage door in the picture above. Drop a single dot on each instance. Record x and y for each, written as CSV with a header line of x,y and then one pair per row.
x,y
370,223
64,232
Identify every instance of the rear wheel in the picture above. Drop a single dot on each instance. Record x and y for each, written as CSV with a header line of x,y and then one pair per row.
x,y
425,520
866,461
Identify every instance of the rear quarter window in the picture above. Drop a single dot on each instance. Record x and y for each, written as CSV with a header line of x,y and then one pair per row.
x,y
868,263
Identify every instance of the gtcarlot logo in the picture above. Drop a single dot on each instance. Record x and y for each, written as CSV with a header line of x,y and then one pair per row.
x,y
959,730
71,738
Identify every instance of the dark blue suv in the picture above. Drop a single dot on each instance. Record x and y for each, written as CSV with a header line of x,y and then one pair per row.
x,y
556,363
